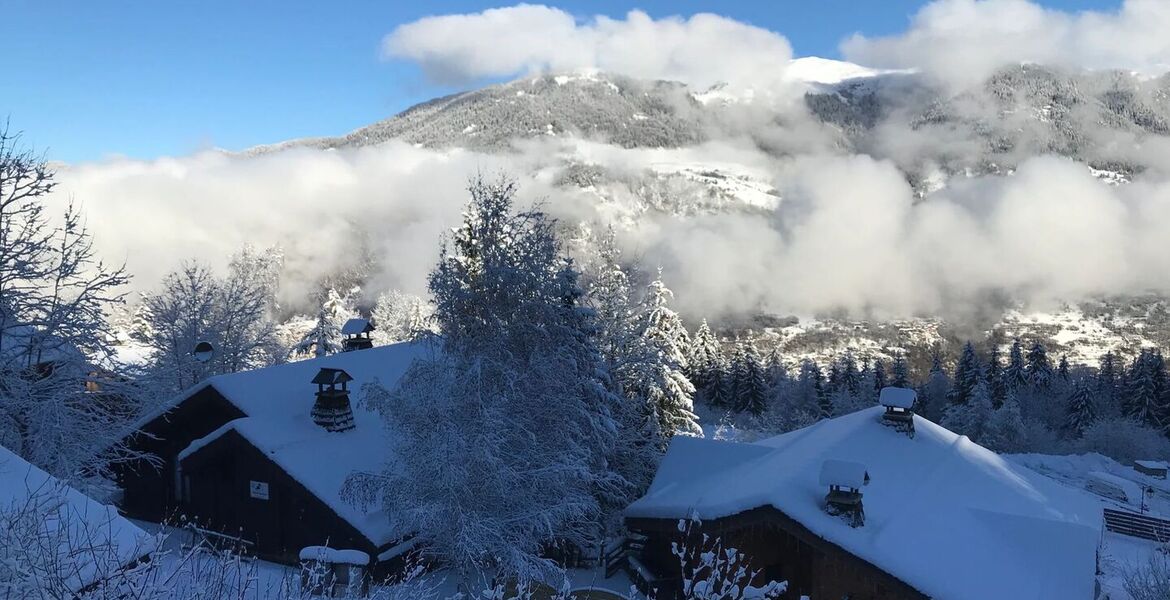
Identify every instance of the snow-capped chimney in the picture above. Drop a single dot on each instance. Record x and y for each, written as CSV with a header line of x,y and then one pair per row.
x,y
845,479
357,335
899,403
332,410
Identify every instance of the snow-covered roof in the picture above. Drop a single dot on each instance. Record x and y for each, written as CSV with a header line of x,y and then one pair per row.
x,y
943,514
72,520
278,401
843,473
897,397
355,326
1151,464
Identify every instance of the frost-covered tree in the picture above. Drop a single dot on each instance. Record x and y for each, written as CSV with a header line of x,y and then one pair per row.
x,y
1038,368
967,376
704,357
325,338
1081,412
970,418
1107,384
503,434
629,358
1005,430
879,375
665,384
850,376
934,393
993,374
720,392
233,313
399,317
900,372
1062,369
1015,375
1145,390
55,297
751,388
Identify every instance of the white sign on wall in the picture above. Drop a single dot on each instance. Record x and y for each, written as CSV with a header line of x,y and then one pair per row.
x,y
258,489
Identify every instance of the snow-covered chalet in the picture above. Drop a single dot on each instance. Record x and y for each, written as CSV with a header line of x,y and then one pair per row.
x,y
942,516
261,456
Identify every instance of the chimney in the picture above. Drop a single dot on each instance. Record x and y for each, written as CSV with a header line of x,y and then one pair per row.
x,y
845,479
357,335
899,403
332,410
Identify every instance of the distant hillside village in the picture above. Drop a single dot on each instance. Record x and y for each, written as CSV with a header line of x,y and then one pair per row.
x,y
539,430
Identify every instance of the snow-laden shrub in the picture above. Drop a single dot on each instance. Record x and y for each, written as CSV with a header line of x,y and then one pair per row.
x,y
1150,581
1124,440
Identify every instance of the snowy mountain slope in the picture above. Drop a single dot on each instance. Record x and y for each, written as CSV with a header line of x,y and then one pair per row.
x,y
1097,117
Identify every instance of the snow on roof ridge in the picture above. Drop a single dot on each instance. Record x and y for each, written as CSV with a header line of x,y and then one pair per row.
x,y
929,495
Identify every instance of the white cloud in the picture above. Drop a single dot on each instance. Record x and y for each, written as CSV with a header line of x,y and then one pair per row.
x,y
849,234
963,41
700,50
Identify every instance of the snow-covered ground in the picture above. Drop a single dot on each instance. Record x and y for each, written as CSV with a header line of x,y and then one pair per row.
x,y
260,580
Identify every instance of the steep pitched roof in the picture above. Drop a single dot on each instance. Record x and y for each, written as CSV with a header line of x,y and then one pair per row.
x,y
278,400
66,514
943,514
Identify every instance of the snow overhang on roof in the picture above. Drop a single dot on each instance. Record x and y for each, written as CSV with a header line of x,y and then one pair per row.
x,y
898,397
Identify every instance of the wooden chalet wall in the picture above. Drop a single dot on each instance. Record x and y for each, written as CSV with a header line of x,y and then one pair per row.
x,y
149,491
218,496
782,549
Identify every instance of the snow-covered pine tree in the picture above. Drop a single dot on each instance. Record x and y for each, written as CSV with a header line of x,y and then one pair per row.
x,y
1005,430
1107,383
721,390
993,374
1062,368
967,375
849,375
970,418
807,393
667,386
934,393
1145,388
879,375
504,435
900,373
1038,368
628,357
325,337
704,357
752,383
1015,375
1081,412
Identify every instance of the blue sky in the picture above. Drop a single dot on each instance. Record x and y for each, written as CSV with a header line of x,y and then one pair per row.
x,y
86,80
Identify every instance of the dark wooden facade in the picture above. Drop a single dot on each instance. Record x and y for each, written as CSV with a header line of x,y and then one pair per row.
x,y
150,492
217,494
783,550
211,486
